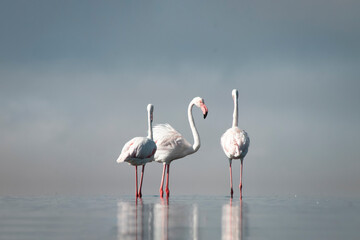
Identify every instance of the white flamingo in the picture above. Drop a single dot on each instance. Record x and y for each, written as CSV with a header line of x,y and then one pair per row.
x,y
139,151
172,145
235,142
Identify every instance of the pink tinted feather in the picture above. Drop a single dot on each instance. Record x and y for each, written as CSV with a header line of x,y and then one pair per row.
x,y
137,151
235,143
170,143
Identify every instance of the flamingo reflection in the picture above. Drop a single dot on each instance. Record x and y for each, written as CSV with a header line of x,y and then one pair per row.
x,y
232,226
130,219
160,220
170,220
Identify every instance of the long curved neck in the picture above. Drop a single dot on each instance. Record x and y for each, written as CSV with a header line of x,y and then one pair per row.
x,y
235,114
150,130
194,131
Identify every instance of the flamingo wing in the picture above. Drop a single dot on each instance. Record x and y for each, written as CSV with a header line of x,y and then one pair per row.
x,y
147,149
245,143
138,148
170,143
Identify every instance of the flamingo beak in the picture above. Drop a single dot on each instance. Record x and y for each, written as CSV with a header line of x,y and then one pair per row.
x,y
204,109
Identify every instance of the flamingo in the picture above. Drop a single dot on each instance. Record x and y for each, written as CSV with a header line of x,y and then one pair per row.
x,y
235,143
139,151
171,145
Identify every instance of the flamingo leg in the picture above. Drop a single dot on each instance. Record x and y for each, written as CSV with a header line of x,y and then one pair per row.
x,y
240,185
141,180
136,182
231,182
167,181
162,182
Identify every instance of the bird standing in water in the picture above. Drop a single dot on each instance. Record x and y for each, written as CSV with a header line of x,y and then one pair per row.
x,y
139,151
235,143
172,145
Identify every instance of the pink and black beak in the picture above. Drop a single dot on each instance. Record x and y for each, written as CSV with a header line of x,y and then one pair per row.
x,y
204,109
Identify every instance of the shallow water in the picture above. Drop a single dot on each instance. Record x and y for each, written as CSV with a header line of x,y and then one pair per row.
x,y
181,217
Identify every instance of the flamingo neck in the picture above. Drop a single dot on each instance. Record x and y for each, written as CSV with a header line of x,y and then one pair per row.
x,y
194,131
235,114
150,130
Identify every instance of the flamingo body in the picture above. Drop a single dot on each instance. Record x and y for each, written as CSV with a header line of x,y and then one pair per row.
x,y
138,151
171,144
235,143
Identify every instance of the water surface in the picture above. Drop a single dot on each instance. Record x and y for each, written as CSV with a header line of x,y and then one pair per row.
x,y
180,217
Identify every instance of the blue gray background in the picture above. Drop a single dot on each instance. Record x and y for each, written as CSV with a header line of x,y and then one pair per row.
x,y
76,76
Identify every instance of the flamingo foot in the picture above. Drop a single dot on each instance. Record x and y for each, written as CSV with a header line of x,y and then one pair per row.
x,y
139,195
161,192
167,193
231,193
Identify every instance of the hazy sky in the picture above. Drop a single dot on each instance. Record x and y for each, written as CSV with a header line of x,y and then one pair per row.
x,y
76,76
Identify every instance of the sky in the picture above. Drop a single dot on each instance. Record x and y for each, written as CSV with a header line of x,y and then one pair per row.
x,y
76,77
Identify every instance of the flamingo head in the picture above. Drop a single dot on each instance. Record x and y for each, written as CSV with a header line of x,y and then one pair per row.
x,y
200,103
150,109
235,94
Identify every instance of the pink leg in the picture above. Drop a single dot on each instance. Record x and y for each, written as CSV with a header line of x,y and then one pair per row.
x,y
240,185
162,182
141,180
136,182
167,181
231,185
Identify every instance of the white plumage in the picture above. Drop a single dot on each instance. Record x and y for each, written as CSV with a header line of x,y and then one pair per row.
x,y
172,145
235,142
140,150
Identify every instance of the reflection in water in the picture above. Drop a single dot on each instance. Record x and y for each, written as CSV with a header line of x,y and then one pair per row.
x,y
130,219
232,221
157,220
161,220
199,217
